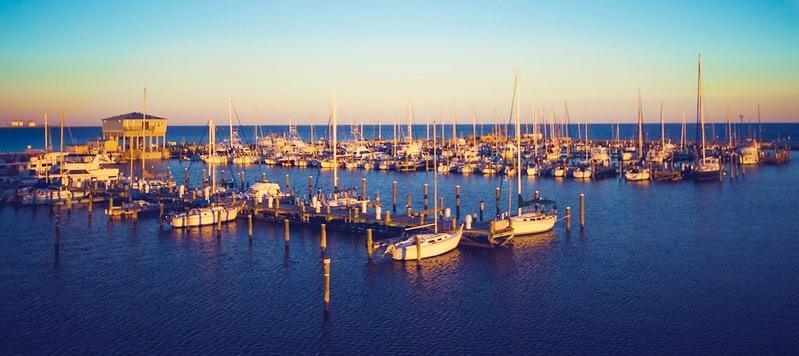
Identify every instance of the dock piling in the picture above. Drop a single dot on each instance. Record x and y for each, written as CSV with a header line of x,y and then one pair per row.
x,y
249,225
369,245
458,201
482,208
323,237
363,188
497,194
286,234
310,187
425,192
582,210
394,196
568,219
418,248
326,276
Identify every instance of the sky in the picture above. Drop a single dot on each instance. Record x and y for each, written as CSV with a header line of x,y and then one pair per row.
x,y
281,61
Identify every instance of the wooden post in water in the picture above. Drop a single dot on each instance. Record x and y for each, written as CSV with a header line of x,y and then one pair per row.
x,y
497,193
287,182
363,188
90,207
369,245
568,219
394,196
326,276
160,214
482,208
457,201
582,210
418,248
110,203
310,187
425,193
408,204
286,234
249,225
323,237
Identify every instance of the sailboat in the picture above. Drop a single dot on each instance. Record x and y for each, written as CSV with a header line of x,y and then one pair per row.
x,y
524,222
639,172
212,157
708,167
431,244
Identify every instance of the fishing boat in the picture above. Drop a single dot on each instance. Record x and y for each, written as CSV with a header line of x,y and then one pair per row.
x,y
750,152
213,157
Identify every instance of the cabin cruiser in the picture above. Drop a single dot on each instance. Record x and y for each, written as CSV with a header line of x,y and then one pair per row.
x,y
40,165
76,170
582,172
264,189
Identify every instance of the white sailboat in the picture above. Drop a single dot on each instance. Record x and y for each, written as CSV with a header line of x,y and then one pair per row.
x,y
639,172
708,167
212,157
432,244
204,216
524,222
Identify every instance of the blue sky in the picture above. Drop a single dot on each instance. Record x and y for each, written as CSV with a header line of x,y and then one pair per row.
x,y
282,60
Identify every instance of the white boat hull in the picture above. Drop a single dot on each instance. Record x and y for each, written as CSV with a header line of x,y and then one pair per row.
x,y
204,216
431,245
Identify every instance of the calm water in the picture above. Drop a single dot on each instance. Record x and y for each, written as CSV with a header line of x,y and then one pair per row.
x,y
660,268
18,139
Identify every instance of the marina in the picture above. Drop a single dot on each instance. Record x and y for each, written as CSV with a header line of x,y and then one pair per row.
x,y
399,178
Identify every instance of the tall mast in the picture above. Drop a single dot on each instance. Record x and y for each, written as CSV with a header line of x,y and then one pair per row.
x,y
46,135
700,105
61,148
435,181
640,127
662,129
729,127
143,124
759,125
682,131
335,144
410,124
230,121
474,127
517,128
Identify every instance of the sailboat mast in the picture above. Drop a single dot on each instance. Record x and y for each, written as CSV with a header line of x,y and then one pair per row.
x,y
410,124
662,129
729,127
682,131
474,127
435,181
46,135
335,145
700,110
61,148
230,121
640,127
143,124
517,128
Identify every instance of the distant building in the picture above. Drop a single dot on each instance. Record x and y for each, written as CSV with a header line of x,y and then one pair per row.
x,y
137,136
20,123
